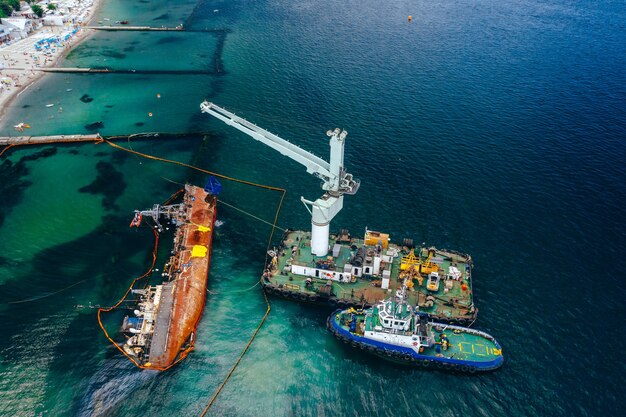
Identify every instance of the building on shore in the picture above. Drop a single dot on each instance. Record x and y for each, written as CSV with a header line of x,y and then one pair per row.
x,y
18,27
5,34
54,20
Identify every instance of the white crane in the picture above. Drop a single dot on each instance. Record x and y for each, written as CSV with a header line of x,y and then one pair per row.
x,y
335,180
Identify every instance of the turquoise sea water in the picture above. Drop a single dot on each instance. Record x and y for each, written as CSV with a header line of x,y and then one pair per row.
x,y
495,128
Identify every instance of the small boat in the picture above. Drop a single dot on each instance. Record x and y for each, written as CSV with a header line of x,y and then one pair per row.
x,y
136,222
21,126
124,22
50,105
396,331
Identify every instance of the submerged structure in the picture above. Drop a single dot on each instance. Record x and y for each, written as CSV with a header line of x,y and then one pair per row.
x,y
343,270
161,330
396,331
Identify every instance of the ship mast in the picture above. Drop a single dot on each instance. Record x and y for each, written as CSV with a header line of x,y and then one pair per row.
x,y
335,180
169,212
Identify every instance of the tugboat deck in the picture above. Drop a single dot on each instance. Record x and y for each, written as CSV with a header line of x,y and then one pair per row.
x,y
464,349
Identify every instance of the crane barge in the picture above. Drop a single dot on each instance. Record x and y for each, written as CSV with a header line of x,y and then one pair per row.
x,y
344,270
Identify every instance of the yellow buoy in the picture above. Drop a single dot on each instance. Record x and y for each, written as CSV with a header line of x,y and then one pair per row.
x,y
410,18
150,114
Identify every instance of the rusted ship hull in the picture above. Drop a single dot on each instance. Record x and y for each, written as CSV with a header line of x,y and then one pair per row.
x,y
188,269
164,331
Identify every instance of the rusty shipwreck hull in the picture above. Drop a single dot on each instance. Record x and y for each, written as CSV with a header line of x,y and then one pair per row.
x,y
183,297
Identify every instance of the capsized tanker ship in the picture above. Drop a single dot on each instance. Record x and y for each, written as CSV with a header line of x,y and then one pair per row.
x,y
357,271
362,271
161,330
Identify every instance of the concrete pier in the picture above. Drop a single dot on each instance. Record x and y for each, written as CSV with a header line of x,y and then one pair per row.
x,y
119,71
156,29
93,137
23,140
72,70
59,69
135,28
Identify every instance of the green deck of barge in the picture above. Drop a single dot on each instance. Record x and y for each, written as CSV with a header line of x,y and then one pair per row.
x,y
454,303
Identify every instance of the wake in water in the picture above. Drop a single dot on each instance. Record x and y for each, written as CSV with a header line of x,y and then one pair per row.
x,y
111,385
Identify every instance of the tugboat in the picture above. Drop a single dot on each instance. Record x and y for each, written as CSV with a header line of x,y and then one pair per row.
x,y
342,270
161,330
397,331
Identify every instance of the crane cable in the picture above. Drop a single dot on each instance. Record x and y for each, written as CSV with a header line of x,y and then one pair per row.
x,y
251,215
170,161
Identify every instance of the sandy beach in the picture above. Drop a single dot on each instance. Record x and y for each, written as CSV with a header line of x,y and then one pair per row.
x,y
20,62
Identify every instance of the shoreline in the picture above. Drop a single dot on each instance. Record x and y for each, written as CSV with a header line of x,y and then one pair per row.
x,y
24,80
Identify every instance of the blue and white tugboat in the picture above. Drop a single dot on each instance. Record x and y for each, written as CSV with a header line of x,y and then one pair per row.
x,y
396,331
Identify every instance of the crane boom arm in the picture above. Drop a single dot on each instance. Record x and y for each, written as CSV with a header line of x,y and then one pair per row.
x,y
335,180
314,164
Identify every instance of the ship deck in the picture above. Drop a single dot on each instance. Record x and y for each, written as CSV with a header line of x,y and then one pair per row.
x,y
463,346
158,342
452,302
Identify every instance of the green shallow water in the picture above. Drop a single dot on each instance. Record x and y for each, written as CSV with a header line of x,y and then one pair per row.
x,y
495,128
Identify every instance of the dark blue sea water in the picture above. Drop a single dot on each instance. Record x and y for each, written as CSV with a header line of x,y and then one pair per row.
x,y
495,128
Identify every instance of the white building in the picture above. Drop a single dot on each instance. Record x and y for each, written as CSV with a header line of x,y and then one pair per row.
x,y
53,20
20,28
5,34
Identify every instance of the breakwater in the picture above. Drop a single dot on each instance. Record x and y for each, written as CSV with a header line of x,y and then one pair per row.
x,y
30,140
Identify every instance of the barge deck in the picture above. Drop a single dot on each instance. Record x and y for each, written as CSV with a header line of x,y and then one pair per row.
x,y
363,271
